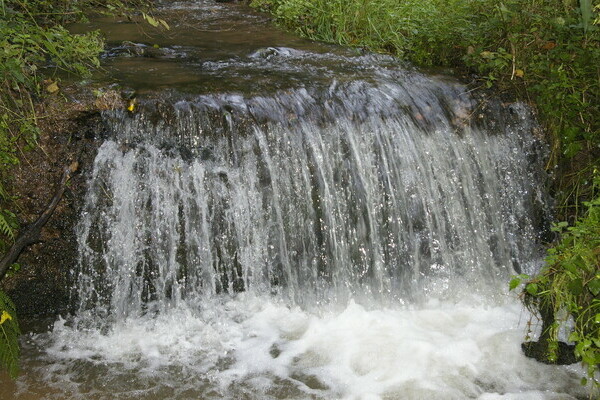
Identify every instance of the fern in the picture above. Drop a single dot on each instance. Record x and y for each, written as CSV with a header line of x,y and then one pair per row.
x,y
8,220
7,223
9,335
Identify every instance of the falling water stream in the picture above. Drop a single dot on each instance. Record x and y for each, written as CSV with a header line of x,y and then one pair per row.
x,y
286,220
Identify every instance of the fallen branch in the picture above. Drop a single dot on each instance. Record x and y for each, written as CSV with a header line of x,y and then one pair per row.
x,y
31,233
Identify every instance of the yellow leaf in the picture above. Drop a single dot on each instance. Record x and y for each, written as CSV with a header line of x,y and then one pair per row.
x,y
52,88
152,21
519,73
164,23
5,316
131,105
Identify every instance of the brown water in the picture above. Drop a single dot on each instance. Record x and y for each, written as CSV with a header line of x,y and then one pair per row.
x,y
213,47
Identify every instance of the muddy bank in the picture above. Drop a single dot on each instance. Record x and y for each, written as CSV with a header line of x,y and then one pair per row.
x,y
70,121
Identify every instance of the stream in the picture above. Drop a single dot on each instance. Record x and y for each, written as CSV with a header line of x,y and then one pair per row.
x,y
283,219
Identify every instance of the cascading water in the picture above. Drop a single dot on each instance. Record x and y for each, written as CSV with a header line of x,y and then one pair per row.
x,y
389,205
345,236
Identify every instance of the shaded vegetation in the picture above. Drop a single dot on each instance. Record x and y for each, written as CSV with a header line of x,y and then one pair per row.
x,y
9,333
547,52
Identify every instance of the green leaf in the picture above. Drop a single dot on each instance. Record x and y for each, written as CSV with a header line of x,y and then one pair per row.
x,y
514,282
6,225
569,266
574,337
571,149
152,21
559,226
576,286
594,287
532,288
164,24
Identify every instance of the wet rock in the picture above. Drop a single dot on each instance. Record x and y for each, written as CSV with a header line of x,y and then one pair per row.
x,y
127,49
131,49
539,352
270,52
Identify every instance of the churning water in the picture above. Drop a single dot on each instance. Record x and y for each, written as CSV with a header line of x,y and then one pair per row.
x,y
347,238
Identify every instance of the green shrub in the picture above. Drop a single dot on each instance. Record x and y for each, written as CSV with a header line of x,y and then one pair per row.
x,y
569,288
550,54
26,45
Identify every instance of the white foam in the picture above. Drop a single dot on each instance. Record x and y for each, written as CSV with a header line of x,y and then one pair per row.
x,y
258,347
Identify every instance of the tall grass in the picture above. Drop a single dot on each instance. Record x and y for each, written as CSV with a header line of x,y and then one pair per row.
x,y
423,31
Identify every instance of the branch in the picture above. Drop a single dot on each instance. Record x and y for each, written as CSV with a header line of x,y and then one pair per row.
x,y
31,234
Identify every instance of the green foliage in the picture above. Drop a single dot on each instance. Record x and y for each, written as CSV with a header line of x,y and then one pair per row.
x,y
422,31
556,50
569,287
28,42
9,335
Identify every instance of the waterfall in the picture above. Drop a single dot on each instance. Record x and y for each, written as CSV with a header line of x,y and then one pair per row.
x,y
284,219
391,190
349,238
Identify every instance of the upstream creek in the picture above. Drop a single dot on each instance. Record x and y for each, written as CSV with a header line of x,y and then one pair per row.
x,y
283,219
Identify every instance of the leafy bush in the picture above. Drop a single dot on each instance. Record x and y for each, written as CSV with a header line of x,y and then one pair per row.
x,y
26,45
569,288
549,53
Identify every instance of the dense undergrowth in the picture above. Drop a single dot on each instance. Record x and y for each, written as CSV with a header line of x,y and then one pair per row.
x,y
34,45
546,52
571,283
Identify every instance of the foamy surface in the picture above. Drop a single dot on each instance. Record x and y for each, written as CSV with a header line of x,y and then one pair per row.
x,y
255,347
